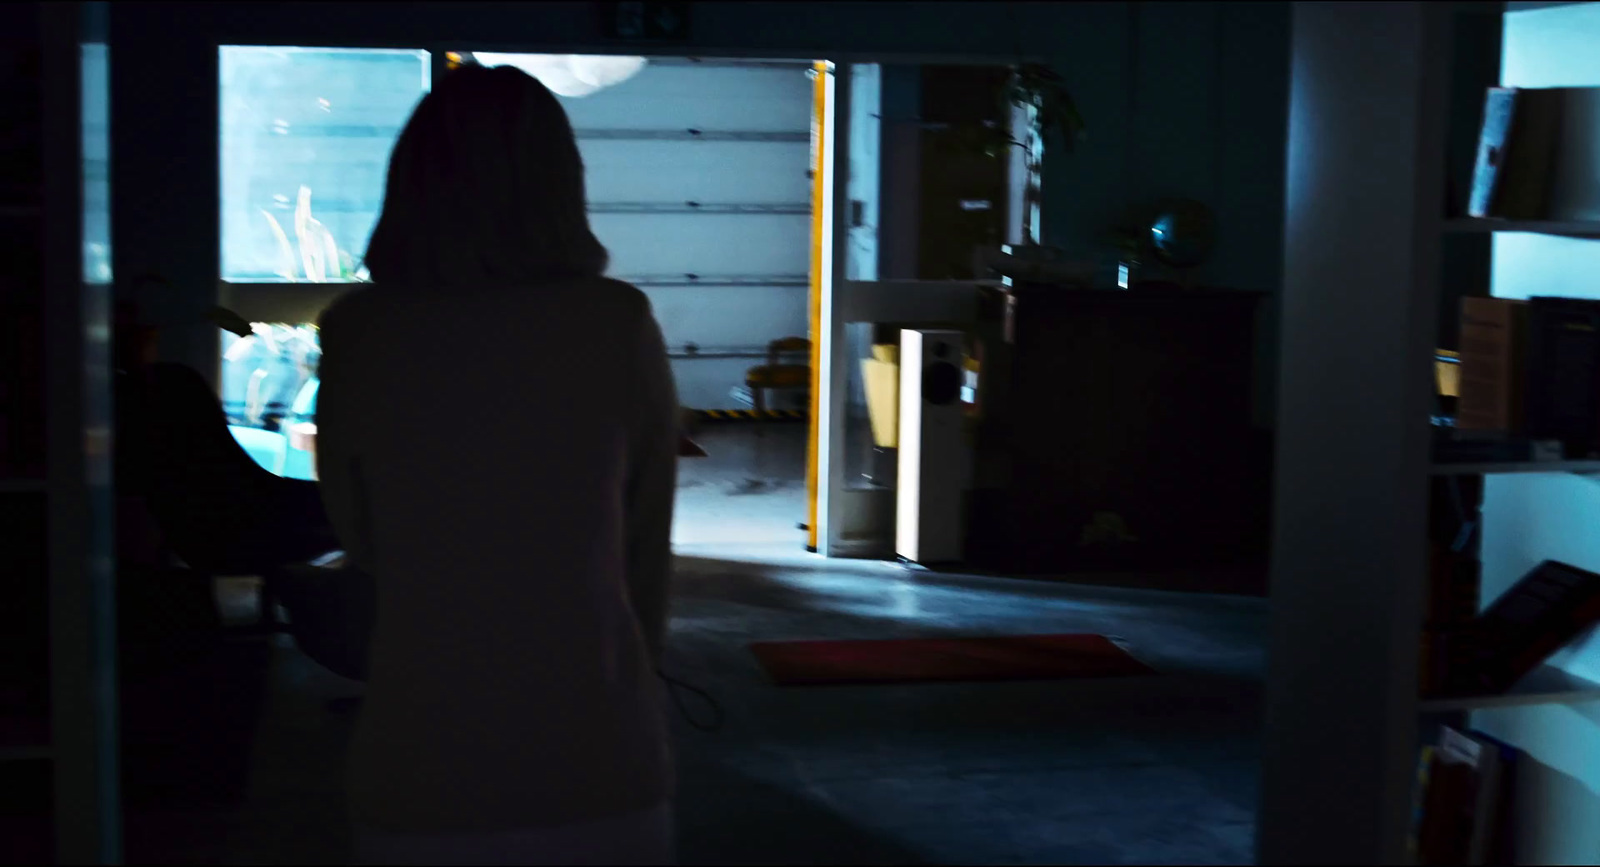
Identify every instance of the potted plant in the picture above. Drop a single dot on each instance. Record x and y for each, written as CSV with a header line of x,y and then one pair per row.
x,y
1053,122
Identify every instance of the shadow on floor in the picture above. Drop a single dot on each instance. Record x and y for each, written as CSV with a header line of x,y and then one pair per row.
x,y
725,817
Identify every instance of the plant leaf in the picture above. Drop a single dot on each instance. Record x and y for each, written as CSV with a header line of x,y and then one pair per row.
x,y
230,321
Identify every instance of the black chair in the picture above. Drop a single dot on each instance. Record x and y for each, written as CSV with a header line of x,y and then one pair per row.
x,y
219,511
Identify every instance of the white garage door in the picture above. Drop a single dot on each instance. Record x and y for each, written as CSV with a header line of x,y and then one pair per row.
x,y
697,184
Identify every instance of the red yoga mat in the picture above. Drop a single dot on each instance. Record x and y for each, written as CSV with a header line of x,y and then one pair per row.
x,y
1010,657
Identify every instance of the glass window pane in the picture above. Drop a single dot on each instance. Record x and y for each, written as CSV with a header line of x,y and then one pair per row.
x,y
269,392
305,139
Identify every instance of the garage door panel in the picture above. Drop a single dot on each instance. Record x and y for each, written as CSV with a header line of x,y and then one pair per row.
x,y
717,136
728,317
679,97
673,172
705,244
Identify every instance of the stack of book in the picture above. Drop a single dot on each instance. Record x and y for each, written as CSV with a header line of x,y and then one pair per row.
x,y
1462,809
1530,375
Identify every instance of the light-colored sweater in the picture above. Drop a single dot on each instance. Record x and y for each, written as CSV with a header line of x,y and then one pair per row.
x,y
504,462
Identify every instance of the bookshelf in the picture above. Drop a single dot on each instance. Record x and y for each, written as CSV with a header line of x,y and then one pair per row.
x,y
1365,254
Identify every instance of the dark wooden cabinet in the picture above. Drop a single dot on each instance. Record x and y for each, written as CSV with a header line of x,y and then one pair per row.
x,y
1117,433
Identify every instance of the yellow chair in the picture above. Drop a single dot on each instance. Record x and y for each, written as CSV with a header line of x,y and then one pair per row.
x,y
777,374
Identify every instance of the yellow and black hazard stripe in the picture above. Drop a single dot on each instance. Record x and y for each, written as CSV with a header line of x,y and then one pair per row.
x,y
726,415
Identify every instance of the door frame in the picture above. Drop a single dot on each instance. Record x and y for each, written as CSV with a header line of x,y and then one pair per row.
x,y
855,522
84,742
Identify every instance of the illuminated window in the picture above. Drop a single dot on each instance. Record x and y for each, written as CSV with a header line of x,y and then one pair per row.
x,y
304,145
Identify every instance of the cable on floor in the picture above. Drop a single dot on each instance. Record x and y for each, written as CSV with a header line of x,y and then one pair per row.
x,y
674,685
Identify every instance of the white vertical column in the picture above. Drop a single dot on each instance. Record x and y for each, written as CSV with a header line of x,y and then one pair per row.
x,y
932,459
1364,163
831,374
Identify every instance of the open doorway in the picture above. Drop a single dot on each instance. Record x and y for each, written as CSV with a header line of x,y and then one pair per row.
x,y
700,183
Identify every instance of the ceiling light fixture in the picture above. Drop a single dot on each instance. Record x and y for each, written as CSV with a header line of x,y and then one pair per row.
x,y
569,75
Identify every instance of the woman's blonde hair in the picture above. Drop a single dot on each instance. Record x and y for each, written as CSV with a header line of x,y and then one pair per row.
x,y
485,188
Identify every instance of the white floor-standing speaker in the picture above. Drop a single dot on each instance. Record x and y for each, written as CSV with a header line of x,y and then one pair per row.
x,y
932,445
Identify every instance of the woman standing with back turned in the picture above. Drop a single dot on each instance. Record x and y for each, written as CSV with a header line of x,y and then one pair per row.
x,y
496,444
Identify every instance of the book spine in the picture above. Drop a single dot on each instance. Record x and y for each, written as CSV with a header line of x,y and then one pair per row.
x,y
1499,111
1547,640
1483,812
1493,342
1562,373
1501,842
1522,191
1454,587
1419,800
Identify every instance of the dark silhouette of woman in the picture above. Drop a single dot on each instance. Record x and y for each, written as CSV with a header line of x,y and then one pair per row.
x,y
497,428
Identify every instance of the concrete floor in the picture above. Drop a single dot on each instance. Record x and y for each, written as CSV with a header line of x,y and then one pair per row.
x,y
1139,770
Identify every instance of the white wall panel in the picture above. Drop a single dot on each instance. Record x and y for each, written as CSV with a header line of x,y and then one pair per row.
x,y
729,317
712,98
754,173
661,169
704,244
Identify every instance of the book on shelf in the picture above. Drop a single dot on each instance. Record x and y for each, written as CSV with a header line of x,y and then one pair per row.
x,y
1517,147
1489,385
1535,157
1461,806
1452,590
1562,373
1494,835
1540,614
1529,376
1449,644
1419,796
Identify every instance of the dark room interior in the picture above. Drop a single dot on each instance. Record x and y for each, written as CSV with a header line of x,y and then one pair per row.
x,y
1107,432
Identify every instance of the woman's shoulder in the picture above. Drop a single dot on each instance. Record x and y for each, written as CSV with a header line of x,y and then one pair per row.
x,y
344,305
625,292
